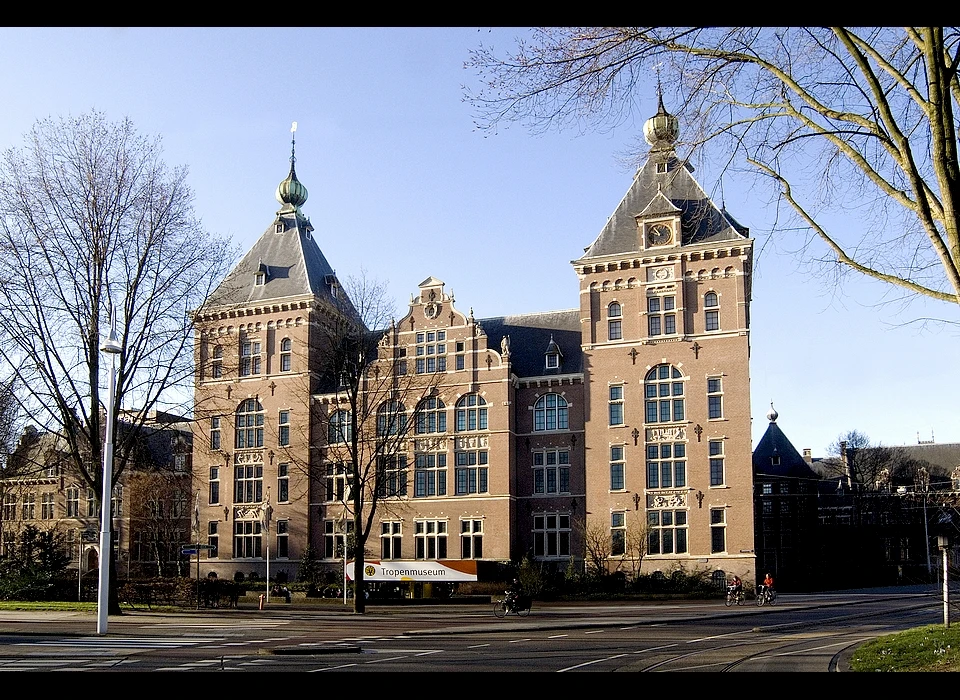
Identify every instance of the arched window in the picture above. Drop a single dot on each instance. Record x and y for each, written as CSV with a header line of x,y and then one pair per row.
x,y
286,346
339,429
712,316
391,419
614,322
550,413
249,425
471,413
663,392
431,417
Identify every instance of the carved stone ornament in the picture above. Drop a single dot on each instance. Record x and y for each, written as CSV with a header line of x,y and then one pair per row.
x,y
432,310
678,432
669,499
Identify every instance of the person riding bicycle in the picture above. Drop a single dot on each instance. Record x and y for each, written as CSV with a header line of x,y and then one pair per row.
x,y
768,583
736,586
513,593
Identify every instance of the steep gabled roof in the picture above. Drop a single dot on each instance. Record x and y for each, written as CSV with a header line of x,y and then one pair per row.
x,y
775,444
530,337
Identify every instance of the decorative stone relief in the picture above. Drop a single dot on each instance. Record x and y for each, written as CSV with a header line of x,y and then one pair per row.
x,y
678,432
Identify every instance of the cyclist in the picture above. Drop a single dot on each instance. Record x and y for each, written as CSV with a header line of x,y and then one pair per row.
x,y
768,583
736,586
513,594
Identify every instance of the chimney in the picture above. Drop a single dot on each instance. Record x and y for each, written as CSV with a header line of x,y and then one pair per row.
x,y
807,455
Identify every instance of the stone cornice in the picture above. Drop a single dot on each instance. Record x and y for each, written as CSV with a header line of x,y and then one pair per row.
x,y
639,260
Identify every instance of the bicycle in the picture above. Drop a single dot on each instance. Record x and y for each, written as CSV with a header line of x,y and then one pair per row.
x,y
766,596
734,596
512,604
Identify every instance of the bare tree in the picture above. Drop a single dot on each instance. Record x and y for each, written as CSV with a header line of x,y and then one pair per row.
x,y
89,214
837,120
598,548
376,405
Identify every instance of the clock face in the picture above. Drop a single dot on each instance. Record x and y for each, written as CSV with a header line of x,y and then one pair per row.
x,y
658,234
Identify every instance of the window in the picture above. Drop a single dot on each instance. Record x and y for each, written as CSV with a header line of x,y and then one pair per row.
x,y
216,363
392,479
286,345
766,488
614,327
551,535
430,537
91,503
9,544
616,405
71,543
666,465
283,482
666,532
29,511
553,358
249,425
551,471
116,504
213,538
259,278
391,419
430,475
460,356
9,506
716,463
247,539
335,533
718,530
72,502
616,468
283,529
431,417
663,395
431,352
471,413
712,316
214,497
336,482
339,429
618,533
471,539
248,483
215,433
283,431
471,472
249,358
714,397
46,506
550,413
661,315
391,539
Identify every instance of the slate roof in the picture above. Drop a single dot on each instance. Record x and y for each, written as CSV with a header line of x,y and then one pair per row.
x,y
530,336
775,443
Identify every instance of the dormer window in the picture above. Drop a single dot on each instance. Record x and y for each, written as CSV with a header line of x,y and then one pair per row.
x,y
553,357
553,360
259,279
279,227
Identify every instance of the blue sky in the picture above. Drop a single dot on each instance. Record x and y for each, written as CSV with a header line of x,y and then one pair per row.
x,y
402,185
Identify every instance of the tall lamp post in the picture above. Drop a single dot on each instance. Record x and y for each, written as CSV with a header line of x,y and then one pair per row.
x,y
943,542
112,347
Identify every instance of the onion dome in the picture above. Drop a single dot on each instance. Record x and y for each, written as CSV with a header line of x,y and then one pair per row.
x,y
291,191
662,129
772,414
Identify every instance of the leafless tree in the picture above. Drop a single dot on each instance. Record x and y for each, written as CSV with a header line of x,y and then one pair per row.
x,y
837,120
598,548
90,213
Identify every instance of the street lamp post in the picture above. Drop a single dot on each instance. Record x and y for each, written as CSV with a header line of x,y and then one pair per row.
x,y
943,541
112,347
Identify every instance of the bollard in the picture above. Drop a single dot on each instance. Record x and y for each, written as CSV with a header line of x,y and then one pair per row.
x,y
261,600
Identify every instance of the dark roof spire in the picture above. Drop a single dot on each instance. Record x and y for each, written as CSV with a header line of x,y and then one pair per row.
x,y
291,191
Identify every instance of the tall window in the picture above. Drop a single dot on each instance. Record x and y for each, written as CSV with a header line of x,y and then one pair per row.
x,y
286,345
614,322
716,463
216,363
616,468
91,503
431,352
718,530
431,417
664,395
283,429
471,471
29,511
471,539
283,530
551,535
283,482
391,539
213,538
116,502
9,506
46,506
712,315
430,538
714,397
391,419
249,425
618,533
215,433
430,475
460,358
214,498
471,413
249,358
550,413
661,315
73,502
248,483
392,479
335,534
666,532
551,471
616,405
335,482
666,465
339,429
247,539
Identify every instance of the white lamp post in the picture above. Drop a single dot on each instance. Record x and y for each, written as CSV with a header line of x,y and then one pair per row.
x,y
112,347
